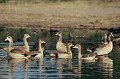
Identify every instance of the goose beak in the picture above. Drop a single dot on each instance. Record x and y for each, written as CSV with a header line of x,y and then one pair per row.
x,y
74,46
6,39
44,42
29,36
112,35
56,34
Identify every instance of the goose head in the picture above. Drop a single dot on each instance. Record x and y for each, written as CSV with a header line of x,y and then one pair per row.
x,y
104,37
70,45
41,41
78,46
109,36
26,36
59,34
41,45
8,38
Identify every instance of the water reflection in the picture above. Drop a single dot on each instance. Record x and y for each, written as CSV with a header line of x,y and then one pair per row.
x,y
18,68
36,68
64,67
78,69
24,68
104,66
116,65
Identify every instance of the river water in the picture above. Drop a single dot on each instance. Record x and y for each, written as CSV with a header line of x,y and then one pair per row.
x,y
55,68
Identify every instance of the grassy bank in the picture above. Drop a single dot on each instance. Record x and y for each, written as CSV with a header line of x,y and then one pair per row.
x,y
72,14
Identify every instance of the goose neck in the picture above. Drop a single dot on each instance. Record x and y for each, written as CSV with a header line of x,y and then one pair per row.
x,y
26,44
60,38
105,40
109,38
69,49
11,43
79,52
40,49
25,40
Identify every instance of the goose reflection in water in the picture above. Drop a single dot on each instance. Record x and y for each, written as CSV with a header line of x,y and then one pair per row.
x,y
105,67
18,65
77,69
23,68
38,65
62,64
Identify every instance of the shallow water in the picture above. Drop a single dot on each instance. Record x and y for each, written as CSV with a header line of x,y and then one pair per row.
x,y
55,68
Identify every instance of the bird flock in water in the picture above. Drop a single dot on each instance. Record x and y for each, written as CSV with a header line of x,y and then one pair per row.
x,y
64,50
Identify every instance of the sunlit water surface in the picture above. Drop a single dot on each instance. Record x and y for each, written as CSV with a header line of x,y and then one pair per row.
x,y
55,68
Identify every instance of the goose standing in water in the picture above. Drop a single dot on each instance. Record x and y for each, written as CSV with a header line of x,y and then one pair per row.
x,y
60,46
39,53
86,56
106,48
18,51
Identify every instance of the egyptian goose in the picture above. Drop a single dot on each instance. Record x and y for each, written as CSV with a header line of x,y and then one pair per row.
x,y
18,51
39,53
86,56
106,48
60,46
103,43
25,47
